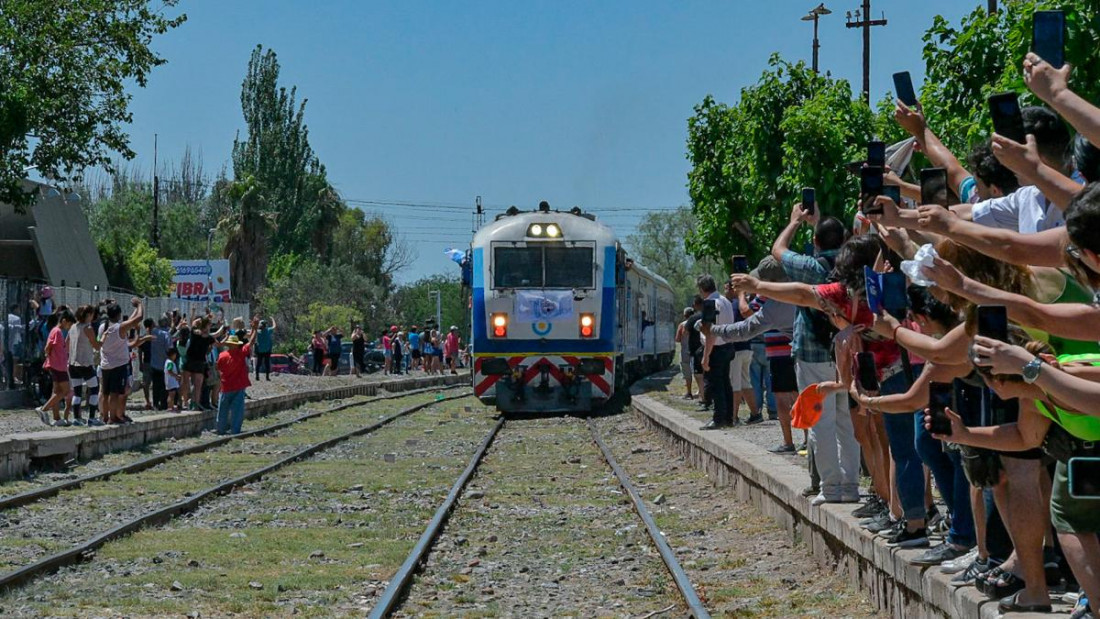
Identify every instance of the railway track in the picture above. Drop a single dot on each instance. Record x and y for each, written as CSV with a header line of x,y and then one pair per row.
x,y
37,494
193,498
399,586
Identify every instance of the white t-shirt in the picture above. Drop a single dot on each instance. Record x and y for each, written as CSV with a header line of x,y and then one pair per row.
x,y
724,317
1025,210
114,351
170,381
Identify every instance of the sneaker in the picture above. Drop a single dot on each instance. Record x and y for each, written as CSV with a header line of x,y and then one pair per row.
x,y
954,566
77,421
782,449
972,571
810,491
941,553
44,415
94,423
873,507
754,419
905,538
803,446
64,423
821,499
773,416
882,522
1081,608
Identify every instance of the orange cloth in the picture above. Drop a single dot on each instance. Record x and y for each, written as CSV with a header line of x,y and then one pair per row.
x,y
807,408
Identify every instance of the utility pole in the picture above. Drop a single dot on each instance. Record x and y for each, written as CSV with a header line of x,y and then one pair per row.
x,y
156,199
813,16
438,308
992,6
479,214
863,20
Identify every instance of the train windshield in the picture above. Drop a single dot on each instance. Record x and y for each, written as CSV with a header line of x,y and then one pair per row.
x,y
539,266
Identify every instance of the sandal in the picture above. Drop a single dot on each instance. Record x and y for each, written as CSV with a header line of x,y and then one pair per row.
x,y
1011,604
982,581
1008,584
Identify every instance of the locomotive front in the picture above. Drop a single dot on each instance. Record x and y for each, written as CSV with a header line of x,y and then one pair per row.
x,y
544,327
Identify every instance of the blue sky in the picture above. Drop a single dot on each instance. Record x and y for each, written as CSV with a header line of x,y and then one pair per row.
x,y
434,103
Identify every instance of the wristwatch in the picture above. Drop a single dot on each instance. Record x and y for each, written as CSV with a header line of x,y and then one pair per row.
x,y
1031,370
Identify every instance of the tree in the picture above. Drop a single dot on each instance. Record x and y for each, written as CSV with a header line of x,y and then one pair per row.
x,y
247,232
660,243
412,305
793,128
150,274
275,154
64,68
369,244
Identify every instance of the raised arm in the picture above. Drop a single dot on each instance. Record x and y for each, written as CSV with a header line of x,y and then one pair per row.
x,y
1075,321
1027,433
795,293
917,396
950,349
912,120
1071,391
1052,86
135,317
786,236
1024,160
1046,248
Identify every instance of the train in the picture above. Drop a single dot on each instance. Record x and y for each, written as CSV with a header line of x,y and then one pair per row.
x,y
562,318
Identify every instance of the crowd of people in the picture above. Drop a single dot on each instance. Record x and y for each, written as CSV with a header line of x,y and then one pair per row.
x,y
96,357
396,350
979,378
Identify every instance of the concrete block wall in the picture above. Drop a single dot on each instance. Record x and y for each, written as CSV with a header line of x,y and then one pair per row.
x,y
773,484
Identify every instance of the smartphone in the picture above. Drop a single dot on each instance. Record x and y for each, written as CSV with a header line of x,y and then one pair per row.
x,y
1048,37
903,86
876,154
939,399
1007,119
895,294
893,192
993,322
809,200
870,187
933,186
1084,478
873,283
740,264
710,311
868,376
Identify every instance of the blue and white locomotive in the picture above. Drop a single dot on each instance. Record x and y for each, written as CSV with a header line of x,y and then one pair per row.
x,y
562,318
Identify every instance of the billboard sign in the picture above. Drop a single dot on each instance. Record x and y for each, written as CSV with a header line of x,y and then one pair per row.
x,y
201,280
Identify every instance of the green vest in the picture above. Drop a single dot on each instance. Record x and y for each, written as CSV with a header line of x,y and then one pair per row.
x,y
1084,427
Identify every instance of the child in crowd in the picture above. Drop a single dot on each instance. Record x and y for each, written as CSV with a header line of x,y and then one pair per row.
x,y
172,379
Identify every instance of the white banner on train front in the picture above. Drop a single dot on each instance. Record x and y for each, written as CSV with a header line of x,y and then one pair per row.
x,y
543,304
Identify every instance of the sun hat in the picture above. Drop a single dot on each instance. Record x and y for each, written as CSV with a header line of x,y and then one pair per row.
x,y
770,270
807,408
454,328
233,340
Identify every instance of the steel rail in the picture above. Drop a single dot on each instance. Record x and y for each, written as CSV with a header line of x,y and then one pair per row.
x,y
400,582
37,494
165,514
683,583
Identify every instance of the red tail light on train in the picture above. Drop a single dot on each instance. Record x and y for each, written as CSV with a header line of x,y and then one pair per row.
x,y
499,322
588,325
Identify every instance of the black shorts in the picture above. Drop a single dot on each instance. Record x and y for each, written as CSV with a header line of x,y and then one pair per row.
x,y
334,360
697,362
783,376
415,354
195,367
81,372
114,380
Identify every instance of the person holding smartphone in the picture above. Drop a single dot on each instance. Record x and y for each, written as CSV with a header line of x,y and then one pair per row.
x,y
1064,433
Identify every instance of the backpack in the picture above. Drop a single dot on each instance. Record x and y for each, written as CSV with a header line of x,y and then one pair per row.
x,y
821,327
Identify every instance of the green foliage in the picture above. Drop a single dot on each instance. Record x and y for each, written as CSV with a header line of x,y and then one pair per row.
x,y
64,68
793,128
412,305
289,298
150,275
984,54
660,243
324,315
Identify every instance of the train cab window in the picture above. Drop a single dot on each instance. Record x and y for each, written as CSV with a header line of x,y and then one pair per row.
x,y
569,267
517,267
540,266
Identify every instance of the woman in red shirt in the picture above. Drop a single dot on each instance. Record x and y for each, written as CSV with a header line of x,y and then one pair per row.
x,y
57,364
233,368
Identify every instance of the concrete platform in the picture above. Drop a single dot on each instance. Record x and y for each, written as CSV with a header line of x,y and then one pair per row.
x,y
774,484
19,452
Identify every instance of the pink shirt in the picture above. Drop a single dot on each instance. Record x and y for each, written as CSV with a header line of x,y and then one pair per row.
x,y
386,343
450,345
58,359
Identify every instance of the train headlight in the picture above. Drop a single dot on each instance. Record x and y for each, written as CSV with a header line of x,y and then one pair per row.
x,y
553,231
535,230
588,325
499,323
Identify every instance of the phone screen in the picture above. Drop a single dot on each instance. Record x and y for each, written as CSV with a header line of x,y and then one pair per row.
x,y
1084,478
939,399
1007,119
710,311
868,376
870,186
873,283
993,322
876,153
895,296
903,86
1048,37
933,186
893,192
809,199
740,264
